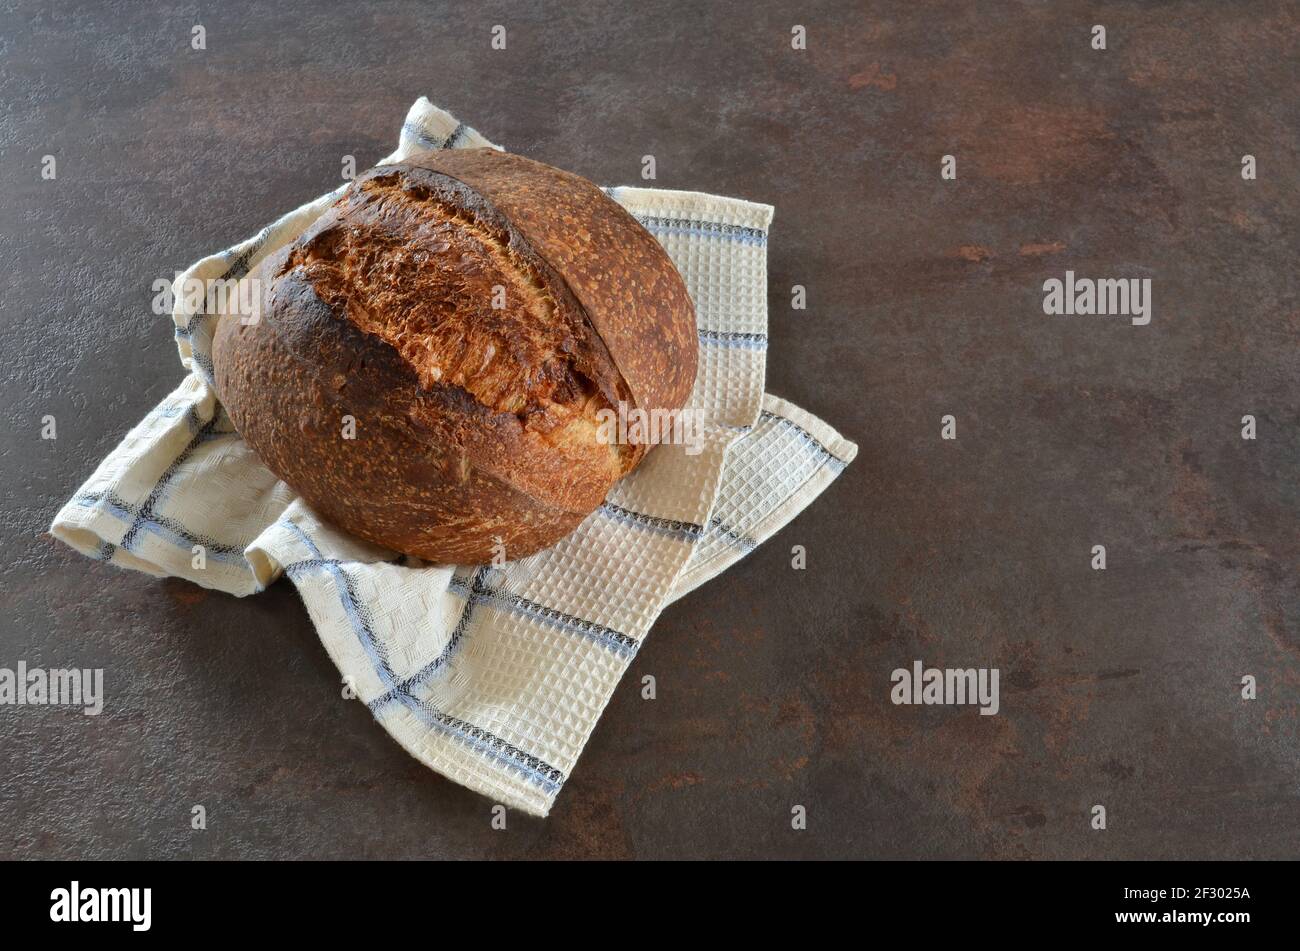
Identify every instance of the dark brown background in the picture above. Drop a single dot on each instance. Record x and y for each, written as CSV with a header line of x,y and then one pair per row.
x,y
1119,687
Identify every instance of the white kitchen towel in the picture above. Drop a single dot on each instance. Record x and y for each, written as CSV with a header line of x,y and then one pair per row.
x,y
493,676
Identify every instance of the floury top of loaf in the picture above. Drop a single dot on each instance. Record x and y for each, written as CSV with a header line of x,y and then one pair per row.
x,y
475,315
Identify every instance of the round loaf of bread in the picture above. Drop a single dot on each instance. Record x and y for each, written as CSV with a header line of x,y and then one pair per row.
x,y
434,357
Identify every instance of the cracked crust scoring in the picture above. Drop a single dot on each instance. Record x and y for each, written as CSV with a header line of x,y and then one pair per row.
x,y
473,312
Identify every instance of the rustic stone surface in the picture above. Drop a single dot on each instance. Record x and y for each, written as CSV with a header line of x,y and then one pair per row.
x,y
1119,687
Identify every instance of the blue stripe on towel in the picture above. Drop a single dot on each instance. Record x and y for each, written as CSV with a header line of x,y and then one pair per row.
x,y
703,229
683,531
726,338
536,770
808,438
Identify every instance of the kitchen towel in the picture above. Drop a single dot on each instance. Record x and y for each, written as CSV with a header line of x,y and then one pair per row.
x,y
493,676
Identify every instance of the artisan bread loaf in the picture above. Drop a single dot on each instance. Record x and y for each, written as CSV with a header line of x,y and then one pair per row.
x,y
432,357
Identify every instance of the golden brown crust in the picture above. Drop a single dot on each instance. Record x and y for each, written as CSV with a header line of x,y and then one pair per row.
x,y
632,293
473,364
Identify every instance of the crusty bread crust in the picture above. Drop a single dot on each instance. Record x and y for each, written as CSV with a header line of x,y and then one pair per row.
x,y
473,312
629,287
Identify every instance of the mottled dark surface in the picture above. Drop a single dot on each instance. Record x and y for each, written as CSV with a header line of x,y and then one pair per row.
x,y
1119,687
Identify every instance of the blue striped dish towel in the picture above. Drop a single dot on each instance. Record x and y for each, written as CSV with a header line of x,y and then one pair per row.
x,y
493,677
